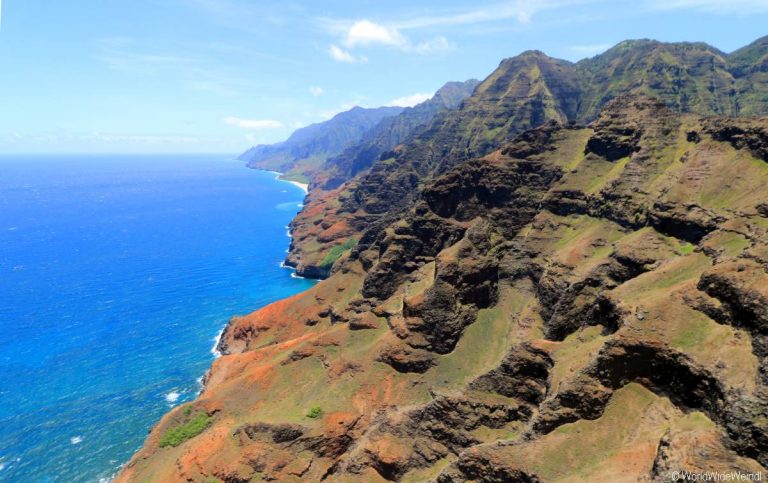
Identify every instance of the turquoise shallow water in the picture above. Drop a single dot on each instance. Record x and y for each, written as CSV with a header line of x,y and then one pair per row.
x,y
116,274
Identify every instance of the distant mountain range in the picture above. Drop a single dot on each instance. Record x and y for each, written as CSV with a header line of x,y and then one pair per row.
x,y
390,132
352,140
308,147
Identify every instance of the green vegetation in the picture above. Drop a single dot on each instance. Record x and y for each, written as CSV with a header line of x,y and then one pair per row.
x,y
185,431
336,252
686,248
295,176
315,412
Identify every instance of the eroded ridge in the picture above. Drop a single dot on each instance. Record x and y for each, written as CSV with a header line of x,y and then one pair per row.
x,y
587,303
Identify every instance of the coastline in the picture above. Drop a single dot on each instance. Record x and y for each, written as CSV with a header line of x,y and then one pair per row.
x,y
302,186
217,351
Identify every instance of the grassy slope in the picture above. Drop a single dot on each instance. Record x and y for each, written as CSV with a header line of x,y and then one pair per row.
x,y
342,376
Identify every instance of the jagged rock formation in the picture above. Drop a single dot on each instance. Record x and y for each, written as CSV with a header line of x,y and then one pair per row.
x,y
584,303
525,92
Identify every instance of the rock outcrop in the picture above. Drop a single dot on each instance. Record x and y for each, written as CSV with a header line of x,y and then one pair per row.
x,y
583,303
524,297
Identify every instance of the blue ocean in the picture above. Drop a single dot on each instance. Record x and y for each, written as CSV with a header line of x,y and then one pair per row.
x,y
116,275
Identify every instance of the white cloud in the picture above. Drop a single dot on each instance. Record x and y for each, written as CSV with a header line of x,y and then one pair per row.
x,y
410,100
434,46
738,7
316,91
340,55
253,123
589,50
365,32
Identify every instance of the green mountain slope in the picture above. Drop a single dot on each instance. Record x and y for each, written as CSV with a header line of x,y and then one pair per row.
x,y
563,279
587,303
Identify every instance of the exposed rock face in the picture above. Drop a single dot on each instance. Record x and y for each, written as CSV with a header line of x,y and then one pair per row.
x,y
752,136
528,91
584,303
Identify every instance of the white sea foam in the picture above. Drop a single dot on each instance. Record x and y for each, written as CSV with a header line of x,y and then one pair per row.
x,y
216,340
303,186
111,478
172,397
76,439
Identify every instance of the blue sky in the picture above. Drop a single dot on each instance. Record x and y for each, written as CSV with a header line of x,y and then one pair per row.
x,y
219,75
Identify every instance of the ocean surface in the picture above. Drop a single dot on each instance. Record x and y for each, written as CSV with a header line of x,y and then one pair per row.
x,y
116,275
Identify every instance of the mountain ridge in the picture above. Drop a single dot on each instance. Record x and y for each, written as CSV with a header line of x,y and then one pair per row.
x,y
307,147
523,92
543,284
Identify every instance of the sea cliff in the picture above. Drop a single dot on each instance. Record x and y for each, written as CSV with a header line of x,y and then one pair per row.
x,y
563,278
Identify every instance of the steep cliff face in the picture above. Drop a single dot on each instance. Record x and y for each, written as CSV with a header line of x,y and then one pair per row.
x,y
584,303
524,92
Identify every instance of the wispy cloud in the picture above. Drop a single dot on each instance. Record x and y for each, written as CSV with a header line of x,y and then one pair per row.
x,y
256,124
433,46
736,7
248,15
196,73
522,11
410,100
340,55
589,50
133,62
316,91
360,33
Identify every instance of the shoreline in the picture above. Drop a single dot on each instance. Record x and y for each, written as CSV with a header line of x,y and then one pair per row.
x,y
302,186
215,350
